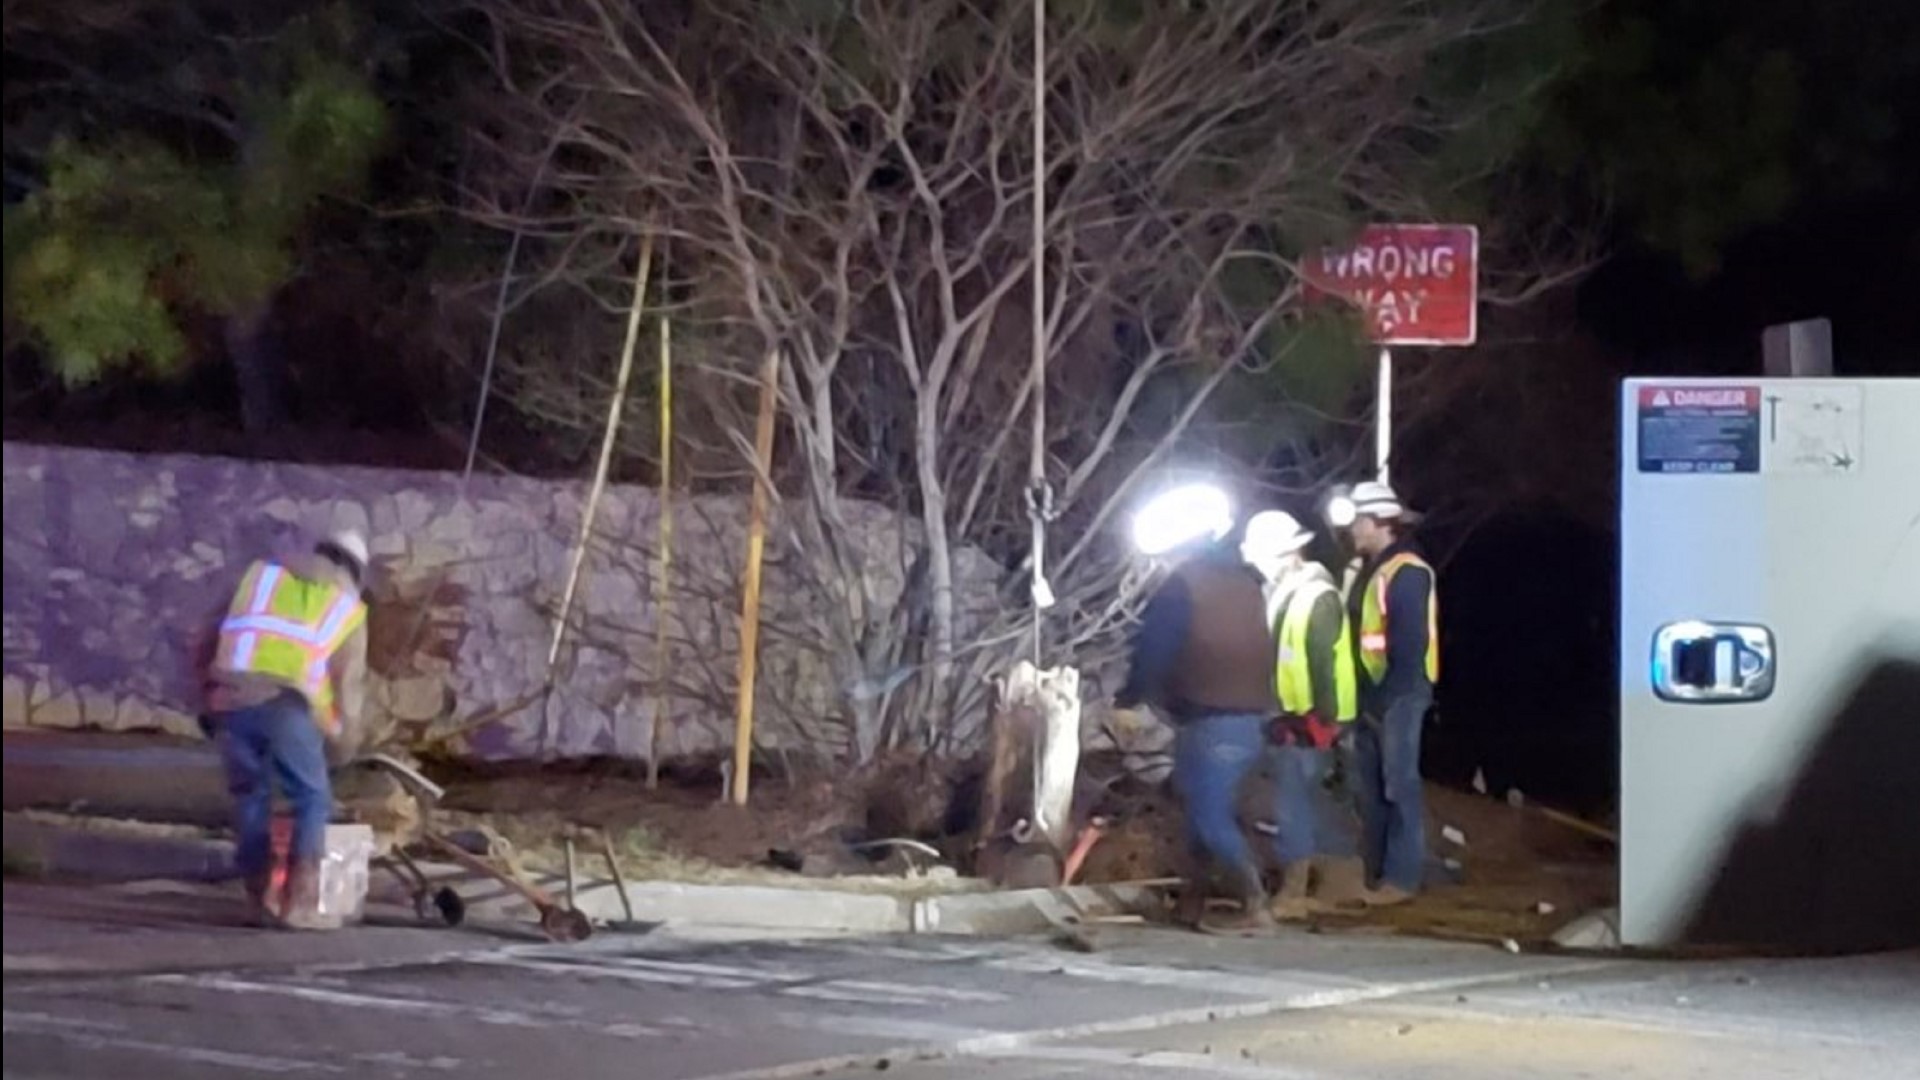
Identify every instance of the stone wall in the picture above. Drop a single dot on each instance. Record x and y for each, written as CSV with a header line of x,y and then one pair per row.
x,y
113,560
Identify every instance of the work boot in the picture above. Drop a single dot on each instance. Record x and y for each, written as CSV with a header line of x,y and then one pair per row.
x,y
1191,907
1196,881
1340,885
1252,919
302,908
1292,905
1387,896
260,911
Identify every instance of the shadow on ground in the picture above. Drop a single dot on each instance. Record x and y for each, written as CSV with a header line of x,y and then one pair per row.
x,y
1838,869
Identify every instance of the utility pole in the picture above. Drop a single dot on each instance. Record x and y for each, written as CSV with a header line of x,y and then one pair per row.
x,y
1039,495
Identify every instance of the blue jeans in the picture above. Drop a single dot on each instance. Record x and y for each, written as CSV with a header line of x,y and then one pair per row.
x,y
1212,757
1393,812
277,741
1310,820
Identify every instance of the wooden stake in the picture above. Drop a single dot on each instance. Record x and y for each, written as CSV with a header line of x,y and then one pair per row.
x,y
619,879
662,590
606,451
750,593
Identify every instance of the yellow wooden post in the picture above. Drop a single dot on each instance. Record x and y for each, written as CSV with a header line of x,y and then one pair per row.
x,y
750,593
663,569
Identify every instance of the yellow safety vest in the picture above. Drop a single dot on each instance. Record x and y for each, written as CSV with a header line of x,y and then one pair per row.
x,y
284,628
1373,618
1295,677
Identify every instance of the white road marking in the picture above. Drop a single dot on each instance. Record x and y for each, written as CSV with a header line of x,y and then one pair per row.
x,y
772,979
938,952
400,1060
1223,982
759,972
86,1036
885,992
1008,1042
1011,1043
37,1019
624,974
413,1006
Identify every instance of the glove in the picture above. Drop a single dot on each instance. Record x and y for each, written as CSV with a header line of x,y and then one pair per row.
x,y
1320,734
1307,730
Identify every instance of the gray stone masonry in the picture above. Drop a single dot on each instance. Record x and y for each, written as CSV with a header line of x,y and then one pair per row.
x,y
113,560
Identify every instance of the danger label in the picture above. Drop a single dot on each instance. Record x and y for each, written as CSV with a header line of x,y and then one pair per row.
x,y
1710,430
1738,397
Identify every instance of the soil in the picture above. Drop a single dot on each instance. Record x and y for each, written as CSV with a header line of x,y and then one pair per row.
x,y
686,830
1520,875
687,815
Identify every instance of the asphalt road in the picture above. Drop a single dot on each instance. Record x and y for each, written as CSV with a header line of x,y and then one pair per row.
x,y
161,985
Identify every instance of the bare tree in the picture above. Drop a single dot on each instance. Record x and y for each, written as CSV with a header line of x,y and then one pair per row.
x,y
848,183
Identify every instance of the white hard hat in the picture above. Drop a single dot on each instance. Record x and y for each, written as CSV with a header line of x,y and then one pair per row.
x,y
350,543
1271,534
1376,500
1181,516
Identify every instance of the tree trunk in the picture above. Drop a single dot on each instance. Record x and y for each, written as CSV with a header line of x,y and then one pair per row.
x,y
939,593
259,370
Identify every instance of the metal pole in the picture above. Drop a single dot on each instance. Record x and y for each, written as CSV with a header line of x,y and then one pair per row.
x,y
663,568
1383,424
606,452
1037,461
750,594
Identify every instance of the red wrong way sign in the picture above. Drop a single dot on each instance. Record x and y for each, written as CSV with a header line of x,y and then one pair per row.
x,y
1417,284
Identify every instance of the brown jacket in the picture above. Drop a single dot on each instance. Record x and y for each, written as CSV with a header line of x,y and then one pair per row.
x,y
224,692
1204,646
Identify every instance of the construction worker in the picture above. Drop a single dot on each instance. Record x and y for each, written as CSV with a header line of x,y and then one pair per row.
x,y
1204,657
1395,617
284,670
1315,681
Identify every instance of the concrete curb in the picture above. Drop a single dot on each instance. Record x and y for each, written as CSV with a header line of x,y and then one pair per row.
x,y
771,907
1026,911
107,856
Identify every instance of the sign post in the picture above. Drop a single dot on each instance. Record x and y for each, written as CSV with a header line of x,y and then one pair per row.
x,y
1414,285
1383,419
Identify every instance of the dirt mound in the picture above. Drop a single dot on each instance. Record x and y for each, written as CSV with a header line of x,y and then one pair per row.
x,y
687,813
1512,872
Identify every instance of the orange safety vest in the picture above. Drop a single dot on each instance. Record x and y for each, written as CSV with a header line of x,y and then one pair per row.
x,y
1374,618
284,628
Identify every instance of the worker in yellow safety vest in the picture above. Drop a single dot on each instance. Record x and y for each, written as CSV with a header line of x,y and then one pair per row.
x,y
283,670
1316,685
1395,617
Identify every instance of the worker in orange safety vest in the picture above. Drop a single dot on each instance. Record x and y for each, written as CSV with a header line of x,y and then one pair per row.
x,y
283,670
1395,617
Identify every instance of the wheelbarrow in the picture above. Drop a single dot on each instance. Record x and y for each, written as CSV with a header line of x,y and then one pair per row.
x,y
559,921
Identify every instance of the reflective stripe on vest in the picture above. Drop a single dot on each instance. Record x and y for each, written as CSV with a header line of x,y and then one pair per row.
x,y
1295,671
285,628
1374,618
